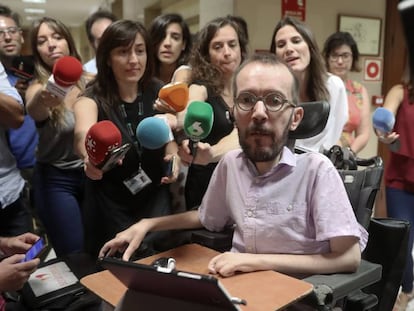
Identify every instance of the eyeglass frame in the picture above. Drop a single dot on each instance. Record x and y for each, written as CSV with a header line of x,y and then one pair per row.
x,y
11,31
262,98
347,56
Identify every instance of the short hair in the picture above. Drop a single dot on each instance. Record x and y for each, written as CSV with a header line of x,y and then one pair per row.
x,y
157,32
100,14
7,12
270,59
316,88
338,39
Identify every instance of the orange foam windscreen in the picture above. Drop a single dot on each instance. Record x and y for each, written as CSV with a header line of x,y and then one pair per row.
x,y
175,95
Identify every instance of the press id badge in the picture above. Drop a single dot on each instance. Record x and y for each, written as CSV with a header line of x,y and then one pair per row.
x,y
137,182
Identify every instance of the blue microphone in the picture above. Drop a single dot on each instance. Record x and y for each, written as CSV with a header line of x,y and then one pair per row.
x,y
153,133
383,120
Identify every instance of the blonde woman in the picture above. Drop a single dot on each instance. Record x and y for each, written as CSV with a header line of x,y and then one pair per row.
x,y
58,176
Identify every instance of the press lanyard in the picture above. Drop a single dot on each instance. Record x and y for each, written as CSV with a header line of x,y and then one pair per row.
x,y
127,121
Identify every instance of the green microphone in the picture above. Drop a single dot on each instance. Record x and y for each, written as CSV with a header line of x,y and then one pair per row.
x,y
198,122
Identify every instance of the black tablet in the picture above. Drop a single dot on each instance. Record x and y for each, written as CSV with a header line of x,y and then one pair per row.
x,y
170,290
52,281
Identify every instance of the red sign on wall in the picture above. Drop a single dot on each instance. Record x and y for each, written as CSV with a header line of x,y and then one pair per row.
x,y
372,69
294,8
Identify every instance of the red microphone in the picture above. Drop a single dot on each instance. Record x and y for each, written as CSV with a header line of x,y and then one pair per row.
x,y
67,70
175,95
101,139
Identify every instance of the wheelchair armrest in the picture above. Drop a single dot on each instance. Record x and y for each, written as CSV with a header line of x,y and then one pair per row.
x,y
219,241
328,288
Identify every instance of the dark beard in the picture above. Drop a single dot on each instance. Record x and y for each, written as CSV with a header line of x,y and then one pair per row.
x,y
257,153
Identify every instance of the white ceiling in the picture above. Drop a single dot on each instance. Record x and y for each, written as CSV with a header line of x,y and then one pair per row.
x,y
70,12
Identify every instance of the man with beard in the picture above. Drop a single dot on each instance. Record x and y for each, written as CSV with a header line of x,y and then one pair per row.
x,y
290,212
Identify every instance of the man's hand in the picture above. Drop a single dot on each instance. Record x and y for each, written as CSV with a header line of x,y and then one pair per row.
x,y
18,244
126,241
13,273
228,263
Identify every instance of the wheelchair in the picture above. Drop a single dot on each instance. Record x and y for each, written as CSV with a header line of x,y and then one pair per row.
x,y
375,285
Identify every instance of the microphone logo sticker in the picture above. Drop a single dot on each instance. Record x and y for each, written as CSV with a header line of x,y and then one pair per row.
x,y
195,129
90,144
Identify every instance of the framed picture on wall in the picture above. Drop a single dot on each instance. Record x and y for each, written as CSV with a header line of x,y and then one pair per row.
x,y
365,30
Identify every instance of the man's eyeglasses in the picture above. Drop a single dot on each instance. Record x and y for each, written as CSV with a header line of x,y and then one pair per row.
x,y
345,57
12,31
272,101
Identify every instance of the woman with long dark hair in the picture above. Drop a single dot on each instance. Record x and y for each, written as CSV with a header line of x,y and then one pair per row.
x,y
293,42
123,92
220,48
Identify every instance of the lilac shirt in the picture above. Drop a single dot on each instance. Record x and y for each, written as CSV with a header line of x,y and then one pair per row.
x,y
295,208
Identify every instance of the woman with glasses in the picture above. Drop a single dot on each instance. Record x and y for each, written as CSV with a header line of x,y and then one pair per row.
x,y
58,175
293,42
218,52
341,57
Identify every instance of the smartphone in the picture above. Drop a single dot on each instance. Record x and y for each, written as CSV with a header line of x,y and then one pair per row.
x,y
35,250
114,156
169,167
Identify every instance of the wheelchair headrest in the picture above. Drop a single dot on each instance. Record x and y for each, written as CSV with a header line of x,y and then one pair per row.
x,y
314,119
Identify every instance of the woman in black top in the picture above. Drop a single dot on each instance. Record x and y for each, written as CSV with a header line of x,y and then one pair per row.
x,y
123,92
220,48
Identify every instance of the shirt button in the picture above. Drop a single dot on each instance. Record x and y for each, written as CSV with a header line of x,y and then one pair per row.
x,y
290,207
249,214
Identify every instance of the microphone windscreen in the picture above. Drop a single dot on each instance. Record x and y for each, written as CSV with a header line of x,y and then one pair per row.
x,y
67,70
175,95
153,133
383,120
101,138
198,120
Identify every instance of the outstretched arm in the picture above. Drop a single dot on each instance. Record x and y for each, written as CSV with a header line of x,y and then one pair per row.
x,y
129,240
392,102
345,256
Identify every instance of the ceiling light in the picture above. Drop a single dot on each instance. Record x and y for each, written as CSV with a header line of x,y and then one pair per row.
x,y
32,18
34,1
34,11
